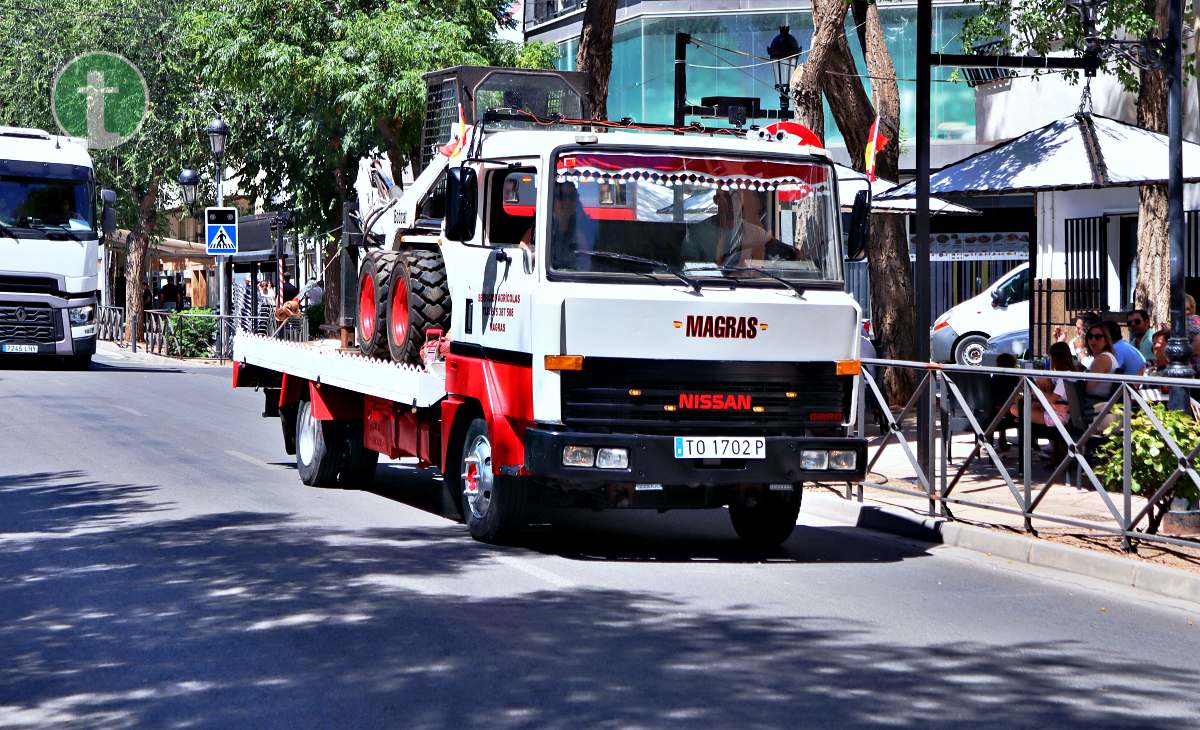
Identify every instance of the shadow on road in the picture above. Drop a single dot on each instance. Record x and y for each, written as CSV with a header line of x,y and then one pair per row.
x,y
257,619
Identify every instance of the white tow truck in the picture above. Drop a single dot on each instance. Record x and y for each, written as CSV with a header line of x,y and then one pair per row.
x,y
51,220
557,314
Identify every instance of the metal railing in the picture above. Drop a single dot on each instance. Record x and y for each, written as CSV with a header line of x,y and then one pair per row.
x,y
196,334
1090,422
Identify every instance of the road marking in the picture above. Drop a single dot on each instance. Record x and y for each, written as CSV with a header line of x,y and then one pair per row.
x,y
257,462
131,411
532,570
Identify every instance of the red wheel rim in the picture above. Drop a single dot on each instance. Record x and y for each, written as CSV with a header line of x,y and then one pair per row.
x,y
398,310
366,306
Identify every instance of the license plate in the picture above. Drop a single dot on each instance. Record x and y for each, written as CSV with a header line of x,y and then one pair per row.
x,y
720,447
24,349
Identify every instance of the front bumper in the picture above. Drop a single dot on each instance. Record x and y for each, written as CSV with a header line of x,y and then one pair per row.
x,y
941,344
652,460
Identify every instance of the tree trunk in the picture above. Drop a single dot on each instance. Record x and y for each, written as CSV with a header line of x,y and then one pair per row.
x,y
390,130
135,258
829,20
1153,289
892,297
594,57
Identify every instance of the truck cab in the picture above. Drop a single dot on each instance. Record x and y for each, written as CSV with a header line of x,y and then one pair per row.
x,y
51,217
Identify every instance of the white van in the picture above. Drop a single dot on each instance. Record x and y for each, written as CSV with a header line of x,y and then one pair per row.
x,y
961,333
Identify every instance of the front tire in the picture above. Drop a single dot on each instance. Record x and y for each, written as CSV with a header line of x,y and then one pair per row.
x,y
969,350
419,299
768,520
320,447
374,292
493,506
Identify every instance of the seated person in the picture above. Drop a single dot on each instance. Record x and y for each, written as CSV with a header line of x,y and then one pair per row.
x,y
726,238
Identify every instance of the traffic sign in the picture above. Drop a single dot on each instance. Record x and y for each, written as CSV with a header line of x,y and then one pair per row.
x,y
221,231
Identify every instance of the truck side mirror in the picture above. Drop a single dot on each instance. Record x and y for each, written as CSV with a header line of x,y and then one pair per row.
x,y
860,227
999,300
462,203
108,216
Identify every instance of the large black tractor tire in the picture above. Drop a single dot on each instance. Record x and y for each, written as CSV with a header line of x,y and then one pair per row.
x,y
419,299
768,521
320,447
374,291
493,505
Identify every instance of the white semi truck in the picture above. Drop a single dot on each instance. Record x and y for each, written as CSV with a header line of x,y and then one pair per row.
x,y
51,220
549,314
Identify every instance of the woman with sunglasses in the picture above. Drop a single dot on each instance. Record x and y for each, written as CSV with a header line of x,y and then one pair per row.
x,y
1103,360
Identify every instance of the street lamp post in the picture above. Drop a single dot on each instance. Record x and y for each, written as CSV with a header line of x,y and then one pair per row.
x,y
218,134
785,52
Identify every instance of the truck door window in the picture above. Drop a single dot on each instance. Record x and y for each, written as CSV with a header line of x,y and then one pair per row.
x,y
511,201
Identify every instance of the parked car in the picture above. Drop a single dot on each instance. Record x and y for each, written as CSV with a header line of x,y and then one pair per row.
x,y
960,335
1015,343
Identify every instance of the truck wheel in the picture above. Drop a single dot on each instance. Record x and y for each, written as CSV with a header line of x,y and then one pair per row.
x,y
969,350
359,462
494,507
419,299
374,288
768,520
320,447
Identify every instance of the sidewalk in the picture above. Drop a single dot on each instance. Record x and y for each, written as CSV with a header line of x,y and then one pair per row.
x,y
982,483
111,353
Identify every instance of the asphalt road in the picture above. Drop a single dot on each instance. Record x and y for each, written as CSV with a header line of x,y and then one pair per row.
x,y
162,566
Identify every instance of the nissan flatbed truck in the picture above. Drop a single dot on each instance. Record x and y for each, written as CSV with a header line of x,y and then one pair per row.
x,y
558,316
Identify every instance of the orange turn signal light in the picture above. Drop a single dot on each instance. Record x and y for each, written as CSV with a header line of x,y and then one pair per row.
x,y
564,362
849,367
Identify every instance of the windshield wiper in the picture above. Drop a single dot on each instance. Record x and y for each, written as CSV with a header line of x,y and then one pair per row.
x,y
746,267
660,265
58,227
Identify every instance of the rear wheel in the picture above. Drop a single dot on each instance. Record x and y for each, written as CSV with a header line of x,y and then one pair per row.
x,y
969,350
359,462
320,447
374,289
494,507
419,300
766,520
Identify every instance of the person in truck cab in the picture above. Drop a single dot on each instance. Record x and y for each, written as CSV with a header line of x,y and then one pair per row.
x,y
569,229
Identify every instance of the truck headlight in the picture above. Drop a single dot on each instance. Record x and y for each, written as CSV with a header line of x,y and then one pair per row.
x,y
612,458
82,315
815,460
578,456
843,460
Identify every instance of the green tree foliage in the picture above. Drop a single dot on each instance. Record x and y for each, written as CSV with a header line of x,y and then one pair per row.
x,y
312,86
1045,26
42,36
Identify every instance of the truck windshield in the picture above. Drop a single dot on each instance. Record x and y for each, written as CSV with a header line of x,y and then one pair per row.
x,y
731,218
36,203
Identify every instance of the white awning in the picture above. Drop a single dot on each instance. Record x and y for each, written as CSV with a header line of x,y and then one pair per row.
x,y
1076,152
851,181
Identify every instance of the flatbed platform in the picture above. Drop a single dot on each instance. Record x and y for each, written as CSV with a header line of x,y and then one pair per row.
x,y
321,361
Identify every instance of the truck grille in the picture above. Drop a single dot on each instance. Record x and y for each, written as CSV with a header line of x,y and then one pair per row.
x,y
28,323
686,396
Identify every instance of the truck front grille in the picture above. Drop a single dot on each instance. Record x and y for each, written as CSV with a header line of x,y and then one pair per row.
x,y
29,323
689,397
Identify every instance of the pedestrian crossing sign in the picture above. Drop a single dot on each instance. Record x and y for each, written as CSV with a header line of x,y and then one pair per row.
x,y
221,231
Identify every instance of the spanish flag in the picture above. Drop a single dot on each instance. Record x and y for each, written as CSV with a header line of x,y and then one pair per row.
x,y
876,141
459,136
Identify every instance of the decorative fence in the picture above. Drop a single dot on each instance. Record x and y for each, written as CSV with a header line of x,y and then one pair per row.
x,y
1118,444
196,335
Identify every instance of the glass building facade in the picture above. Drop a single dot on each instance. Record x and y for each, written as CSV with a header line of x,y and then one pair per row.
x,y
727,60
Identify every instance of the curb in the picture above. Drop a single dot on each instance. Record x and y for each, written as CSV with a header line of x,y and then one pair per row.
x,y
1170,582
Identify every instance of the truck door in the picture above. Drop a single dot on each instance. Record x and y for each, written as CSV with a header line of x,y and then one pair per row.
x,y
499,316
